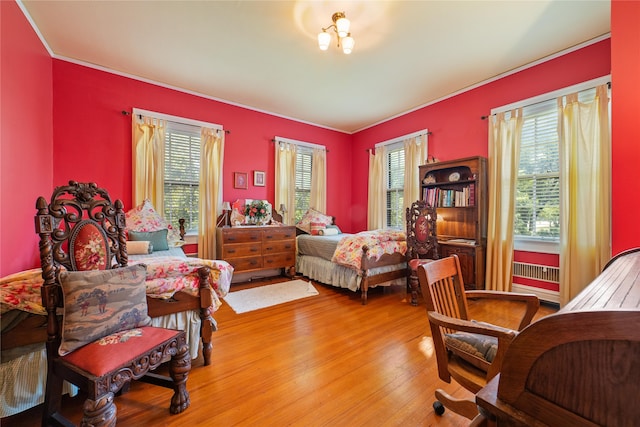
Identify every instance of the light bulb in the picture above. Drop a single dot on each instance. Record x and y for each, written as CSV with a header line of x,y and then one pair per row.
x,y
347,44
342,25
324,39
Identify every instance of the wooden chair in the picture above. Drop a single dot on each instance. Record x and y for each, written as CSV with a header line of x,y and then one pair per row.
x,y
102,341
422,242
468,351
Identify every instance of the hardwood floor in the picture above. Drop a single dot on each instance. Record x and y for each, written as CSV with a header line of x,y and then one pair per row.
x,y
320,361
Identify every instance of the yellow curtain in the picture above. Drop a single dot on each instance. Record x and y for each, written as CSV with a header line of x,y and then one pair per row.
x,y
504,156
285,178
585,189
148,161
211,161
318,199
377,217
415,154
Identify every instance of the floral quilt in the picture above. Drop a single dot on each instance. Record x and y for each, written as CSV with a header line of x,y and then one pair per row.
x,y
165,277
380,242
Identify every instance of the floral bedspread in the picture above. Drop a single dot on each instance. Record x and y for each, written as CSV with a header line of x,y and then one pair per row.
x,y
165,277
380,242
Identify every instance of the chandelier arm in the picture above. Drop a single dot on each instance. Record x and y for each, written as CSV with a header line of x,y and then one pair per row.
x,y
331,26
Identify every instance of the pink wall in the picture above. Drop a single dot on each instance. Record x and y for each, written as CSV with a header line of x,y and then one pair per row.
x,y
86,107
89,125
625,132
25,137
457,130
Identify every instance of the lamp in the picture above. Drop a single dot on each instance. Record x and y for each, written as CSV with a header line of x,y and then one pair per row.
x,y
341,27
283,211
226,207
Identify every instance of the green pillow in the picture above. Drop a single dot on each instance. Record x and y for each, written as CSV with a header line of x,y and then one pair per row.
x,y
336,227
158,238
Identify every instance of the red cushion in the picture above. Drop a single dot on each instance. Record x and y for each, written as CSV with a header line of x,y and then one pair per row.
x,y
414,263
119,349
89,247
422,229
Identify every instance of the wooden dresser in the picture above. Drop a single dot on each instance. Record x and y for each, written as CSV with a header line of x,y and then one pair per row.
x,y
580,366
254,248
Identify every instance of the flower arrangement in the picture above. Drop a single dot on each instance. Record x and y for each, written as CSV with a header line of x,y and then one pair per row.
x,y
257,211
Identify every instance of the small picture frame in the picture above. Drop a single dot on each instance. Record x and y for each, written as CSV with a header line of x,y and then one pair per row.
x,y
258,178
240,180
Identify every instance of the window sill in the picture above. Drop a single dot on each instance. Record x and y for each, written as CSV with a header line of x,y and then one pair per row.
x,y
190,239
536,245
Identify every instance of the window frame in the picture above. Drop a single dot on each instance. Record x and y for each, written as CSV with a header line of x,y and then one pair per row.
x,y
192,133
390,189
547,111
298,212
191,237
541,244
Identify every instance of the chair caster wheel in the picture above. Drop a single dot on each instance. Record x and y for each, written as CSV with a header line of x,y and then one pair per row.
x,y
438,407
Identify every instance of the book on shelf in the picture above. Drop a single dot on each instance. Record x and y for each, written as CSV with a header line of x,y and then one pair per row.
x,y
444,198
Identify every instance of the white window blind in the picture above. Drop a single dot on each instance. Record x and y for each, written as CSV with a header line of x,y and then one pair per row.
x,y
537,214
395,185
182,175
538,188
304,161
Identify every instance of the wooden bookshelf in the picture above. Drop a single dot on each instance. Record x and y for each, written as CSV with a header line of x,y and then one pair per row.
x,y
458,189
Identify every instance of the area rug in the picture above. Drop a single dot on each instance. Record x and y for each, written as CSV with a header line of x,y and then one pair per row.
x,y
269,295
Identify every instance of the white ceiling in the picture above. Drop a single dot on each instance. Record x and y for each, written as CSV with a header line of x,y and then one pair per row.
x,y
264,54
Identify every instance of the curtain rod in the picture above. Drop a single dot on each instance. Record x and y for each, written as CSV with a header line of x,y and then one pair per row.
x,y
404,137
279,140
202,124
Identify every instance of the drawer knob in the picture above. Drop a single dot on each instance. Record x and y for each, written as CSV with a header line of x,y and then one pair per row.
x,y
231,251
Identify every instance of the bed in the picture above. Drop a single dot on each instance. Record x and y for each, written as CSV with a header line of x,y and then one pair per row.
x,y
182,293
353,261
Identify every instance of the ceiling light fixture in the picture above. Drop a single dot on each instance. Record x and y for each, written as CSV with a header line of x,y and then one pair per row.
x,y
341,27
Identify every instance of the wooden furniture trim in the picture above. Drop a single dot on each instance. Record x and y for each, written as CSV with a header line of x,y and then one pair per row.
x,y
255,248
578,366
473,218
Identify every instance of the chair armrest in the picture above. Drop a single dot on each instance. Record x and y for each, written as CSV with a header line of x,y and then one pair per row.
x,y
471,327
505,336
532,302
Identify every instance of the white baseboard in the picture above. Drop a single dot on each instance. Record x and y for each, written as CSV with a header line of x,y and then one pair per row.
x,y
543,294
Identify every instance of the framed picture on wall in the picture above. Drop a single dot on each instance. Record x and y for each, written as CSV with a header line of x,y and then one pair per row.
x,y
240,180
258,178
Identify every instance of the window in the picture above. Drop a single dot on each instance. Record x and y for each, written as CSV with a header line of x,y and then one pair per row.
x,y
182,175
304,161
537,212
395,186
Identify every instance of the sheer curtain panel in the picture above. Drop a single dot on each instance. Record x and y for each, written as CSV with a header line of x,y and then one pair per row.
x,y
415,154
377,217
318,199
211,157
504,154
285,178
585,201
148,161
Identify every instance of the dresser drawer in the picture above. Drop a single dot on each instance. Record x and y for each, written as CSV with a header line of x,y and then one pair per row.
x,y
241,236
245,263
234,250
278,246
279,260
279,233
